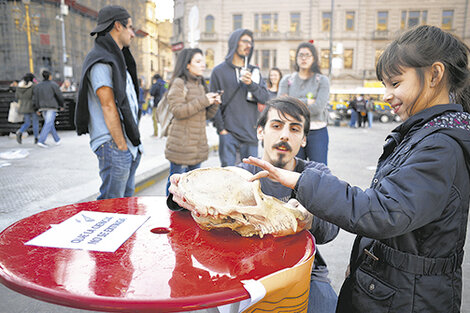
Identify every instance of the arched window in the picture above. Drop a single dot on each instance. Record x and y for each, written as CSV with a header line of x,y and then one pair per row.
x,y
210,24
209,59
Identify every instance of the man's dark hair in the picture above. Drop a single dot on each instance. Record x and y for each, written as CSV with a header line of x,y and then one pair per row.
x,y
287,105
247,32
46,74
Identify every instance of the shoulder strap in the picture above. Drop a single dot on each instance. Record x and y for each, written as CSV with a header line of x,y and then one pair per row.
x,y
222,108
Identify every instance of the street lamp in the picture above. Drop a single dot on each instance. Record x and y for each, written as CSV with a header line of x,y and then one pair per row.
x,y
29,25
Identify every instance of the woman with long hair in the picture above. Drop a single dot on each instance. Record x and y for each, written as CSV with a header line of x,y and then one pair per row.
x,y
24,94
309,85
274,78
191,105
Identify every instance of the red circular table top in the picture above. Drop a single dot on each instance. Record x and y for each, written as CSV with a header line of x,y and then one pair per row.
x,y
177,267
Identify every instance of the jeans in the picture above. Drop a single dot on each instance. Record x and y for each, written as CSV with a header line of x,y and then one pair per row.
x,y
322,298
317,146
27,121
352,123
117,171
48,127
370,118
228,146
179,169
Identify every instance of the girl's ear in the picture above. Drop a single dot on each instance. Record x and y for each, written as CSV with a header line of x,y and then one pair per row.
x,y
437,73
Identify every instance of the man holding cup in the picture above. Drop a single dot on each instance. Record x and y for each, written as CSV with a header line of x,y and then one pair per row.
x,y
243,89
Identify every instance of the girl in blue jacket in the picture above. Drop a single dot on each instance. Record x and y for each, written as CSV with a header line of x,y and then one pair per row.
x,y
411,223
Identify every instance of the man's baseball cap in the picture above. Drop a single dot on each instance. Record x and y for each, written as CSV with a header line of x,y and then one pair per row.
x,y
109,14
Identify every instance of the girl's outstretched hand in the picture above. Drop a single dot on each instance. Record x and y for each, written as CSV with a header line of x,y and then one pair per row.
x,y
285,177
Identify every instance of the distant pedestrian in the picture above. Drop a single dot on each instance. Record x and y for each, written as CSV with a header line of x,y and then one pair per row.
x,y
24,94
158,89
361,111
352,107
274,78
370,108
142,109
108,106
192,105
243,89
48,100
311,87
67,86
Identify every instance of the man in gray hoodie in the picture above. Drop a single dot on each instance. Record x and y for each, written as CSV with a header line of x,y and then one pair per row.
x,y
243,88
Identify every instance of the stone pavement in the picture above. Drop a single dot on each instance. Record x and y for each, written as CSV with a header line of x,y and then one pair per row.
x,y
65,174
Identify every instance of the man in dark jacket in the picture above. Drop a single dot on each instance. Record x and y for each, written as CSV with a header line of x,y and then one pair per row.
x,y
107,104
47,99
243,88
282,128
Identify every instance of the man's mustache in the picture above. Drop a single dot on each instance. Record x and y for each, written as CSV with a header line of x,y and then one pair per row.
x,y
283,145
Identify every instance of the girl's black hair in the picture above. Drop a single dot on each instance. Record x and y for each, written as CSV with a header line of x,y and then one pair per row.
x,y
422,46
270,83
181,69
316,62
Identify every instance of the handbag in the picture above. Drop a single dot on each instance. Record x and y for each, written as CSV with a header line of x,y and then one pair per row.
x,y
13,114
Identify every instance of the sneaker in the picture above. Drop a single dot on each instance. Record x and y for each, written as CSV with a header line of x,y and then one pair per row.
x,y
19,137
36,140
57,143
42,145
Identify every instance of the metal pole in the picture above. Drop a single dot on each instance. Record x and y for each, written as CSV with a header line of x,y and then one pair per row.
x,y
28,35
64,51
330,56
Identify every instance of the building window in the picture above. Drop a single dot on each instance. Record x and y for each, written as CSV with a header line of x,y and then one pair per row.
x,y
265,23
209,59
265,56
326,21
294,22
447,19
413,18
350,20
274,58
325,59
237,21
275,23
210,24
382,20
348,55
378,53
292,60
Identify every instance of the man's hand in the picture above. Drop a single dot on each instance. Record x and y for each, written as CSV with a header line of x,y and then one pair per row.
x,y
223,132
245,77
285,177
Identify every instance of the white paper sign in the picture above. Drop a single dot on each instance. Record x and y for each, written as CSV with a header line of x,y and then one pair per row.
x,y
96,231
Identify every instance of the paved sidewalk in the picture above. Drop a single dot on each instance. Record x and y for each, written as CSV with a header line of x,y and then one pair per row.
x,y
65,174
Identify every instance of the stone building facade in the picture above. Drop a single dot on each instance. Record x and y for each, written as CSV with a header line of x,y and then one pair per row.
x,y
361,30
47,45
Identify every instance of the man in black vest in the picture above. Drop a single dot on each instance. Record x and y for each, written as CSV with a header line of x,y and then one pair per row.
x,y
107,106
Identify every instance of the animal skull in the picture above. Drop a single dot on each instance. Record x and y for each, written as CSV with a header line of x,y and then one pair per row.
x,y
223,197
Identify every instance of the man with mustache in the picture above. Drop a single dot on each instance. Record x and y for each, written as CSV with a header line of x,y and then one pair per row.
x,y
282,128
243,88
